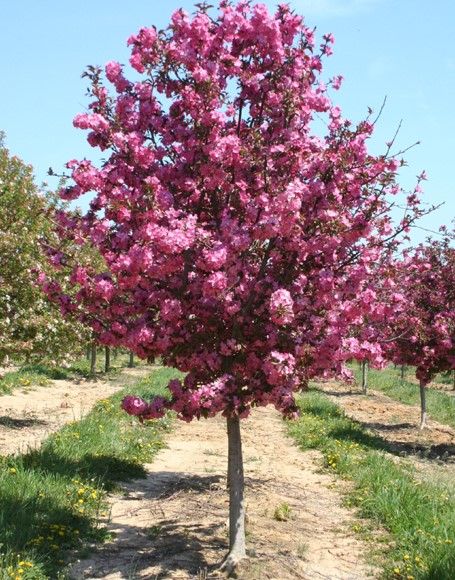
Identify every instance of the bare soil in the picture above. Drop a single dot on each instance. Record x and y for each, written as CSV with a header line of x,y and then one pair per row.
x,y
395,422
173,524
30,414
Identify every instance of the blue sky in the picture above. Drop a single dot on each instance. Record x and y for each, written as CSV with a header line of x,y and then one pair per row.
x,y
399,49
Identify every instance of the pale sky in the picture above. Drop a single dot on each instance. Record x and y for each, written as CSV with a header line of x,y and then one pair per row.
x,y
399,49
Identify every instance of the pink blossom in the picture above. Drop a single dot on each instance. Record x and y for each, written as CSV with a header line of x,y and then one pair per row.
x,y
281,307
134,405
215,284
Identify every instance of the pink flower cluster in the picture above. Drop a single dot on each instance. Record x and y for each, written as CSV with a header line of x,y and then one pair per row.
x,y
281,307
137,406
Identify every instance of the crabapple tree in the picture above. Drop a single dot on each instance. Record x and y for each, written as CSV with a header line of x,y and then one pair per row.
x,y
425,327
235,239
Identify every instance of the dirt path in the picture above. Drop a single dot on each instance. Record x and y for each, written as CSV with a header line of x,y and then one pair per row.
x,y
27,416
395,422
173,524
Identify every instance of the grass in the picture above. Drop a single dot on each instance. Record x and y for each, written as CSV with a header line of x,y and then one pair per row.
x,y
53,500
440,405
417,514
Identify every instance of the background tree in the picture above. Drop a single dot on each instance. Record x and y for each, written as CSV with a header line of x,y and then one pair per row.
x,y
31,326
425,328
235,240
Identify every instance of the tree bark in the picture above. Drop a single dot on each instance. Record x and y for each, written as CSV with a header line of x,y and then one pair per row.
x,y
93,359
423,406
131,363
107,359
364,376
403,372
237,549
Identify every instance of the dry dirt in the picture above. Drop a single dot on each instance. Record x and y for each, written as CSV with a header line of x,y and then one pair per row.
x,y
395,422
28,415
173,523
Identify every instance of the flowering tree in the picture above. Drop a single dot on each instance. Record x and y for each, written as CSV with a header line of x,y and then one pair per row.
x,y
424,328
372,335
235,240
30,325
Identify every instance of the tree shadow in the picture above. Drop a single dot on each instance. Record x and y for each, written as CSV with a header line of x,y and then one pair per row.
x,y
170,546
351,433
14,423
341,394
387,427
106,468
170,543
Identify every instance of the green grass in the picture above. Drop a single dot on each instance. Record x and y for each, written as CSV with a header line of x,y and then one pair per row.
x,y
418,514
440,405
53,500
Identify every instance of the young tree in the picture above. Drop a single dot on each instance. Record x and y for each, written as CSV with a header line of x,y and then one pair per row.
x,y
30,325
235,240
424,328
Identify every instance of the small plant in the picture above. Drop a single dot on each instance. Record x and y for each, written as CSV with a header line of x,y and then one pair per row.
x,y
282,512
154,531
302,550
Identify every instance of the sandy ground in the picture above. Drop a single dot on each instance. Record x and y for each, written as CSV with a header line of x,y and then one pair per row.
x,y
395,422
28,415
173,523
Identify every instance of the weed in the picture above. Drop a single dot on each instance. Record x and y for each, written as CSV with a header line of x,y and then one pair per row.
x,y
282,512
154,531
302,550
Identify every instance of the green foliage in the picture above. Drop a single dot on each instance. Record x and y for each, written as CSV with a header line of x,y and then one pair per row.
x,y
419,514
30,326
53,499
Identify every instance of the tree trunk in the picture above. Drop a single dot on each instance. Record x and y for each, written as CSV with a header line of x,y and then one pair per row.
x,y
364,376
423,405
403,372
88,351
107,359
454,380
131,363
236,484
93,359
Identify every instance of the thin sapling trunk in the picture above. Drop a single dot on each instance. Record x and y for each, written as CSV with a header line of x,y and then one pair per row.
x,y
107,359
237,550
423,405
364,376
93,359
